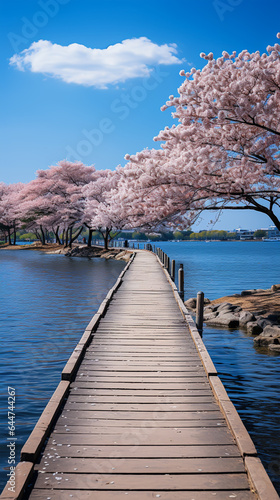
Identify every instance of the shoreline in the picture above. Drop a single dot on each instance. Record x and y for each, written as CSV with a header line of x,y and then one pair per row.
x,y
76,251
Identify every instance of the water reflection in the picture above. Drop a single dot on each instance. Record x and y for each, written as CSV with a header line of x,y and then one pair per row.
x,y
251,379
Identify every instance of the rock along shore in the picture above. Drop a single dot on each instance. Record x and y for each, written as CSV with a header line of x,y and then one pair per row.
x,y
76,251
256,311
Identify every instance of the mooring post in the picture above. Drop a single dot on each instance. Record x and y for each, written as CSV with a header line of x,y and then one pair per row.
x,y
199,312
167,264
173,270
181,281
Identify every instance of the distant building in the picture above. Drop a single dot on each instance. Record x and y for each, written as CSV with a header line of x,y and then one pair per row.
x,y
273,232
244,234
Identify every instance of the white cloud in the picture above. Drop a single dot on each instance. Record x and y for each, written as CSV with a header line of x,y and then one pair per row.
x,y
75,63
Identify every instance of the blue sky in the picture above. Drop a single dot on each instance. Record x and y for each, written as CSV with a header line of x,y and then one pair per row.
x,y
46,119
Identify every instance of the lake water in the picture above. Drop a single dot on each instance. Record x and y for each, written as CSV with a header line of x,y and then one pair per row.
x,y
47,300
46,303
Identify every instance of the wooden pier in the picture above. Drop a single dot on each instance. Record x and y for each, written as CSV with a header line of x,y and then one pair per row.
x,y
140,412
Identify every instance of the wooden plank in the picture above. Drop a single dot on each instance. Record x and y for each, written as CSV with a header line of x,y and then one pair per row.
x,y
64,423
142,465
141,370
143,451
16,486
81,398
99,364
94,322
141,349
134,385
187,398
38,494
139,380
144,407
156,415
235,423
187,436
260,480
162,343
81,426
152,416
167,482
134,366
34,443
131,392
130,359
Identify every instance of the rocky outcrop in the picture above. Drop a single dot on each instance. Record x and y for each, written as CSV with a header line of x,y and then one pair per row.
x,y
224,314
94,252
270,337
253,328
228,315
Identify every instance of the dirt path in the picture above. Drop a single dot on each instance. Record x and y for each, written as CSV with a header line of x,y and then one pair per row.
x,y
262,302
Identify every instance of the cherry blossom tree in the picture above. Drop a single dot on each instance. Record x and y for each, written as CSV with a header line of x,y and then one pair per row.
x,y
54,201
10,210
161,197
225,149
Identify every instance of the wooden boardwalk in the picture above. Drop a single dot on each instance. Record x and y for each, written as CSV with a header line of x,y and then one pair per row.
x,y
141,420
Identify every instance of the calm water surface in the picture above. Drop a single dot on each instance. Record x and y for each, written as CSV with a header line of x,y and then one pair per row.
x,y
251,375
46,303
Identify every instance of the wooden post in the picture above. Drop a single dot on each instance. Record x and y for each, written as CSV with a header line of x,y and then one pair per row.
x,y
199,312
173,270
167,263
181,281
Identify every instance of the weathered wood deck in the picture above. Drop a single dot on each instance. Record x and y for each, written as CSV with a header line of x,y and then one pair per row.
x,y
145,414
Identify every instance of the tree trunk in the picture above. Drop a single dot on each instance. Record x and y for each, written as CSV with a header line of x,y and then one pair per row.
x,y
70,236
73,238
66,238
43,239
90,231
105,235
9,236
15,235
56,233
